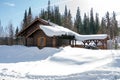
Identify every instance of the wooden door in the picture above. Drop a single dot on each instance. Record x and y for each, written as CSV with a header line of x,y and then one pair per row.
x,y
41,42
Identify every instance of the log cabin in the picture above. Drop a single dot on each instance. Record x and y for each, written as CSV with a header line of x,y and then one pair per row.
x,y
42,33
33,35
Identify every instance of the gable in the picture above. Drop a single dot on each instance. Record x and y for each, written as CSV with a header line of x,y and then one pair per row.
x,y
32,27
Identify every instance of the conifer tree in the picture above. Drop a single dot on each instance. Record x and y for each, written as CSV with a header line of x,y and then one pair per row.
x,y
48,11
29,17
53,14
16,32
57,16
96,23
70,24
25,23
65,12
102,29
1,30
11,33
65,17
78,21
108,25
114,25
43,14
85,28
88,25
92,23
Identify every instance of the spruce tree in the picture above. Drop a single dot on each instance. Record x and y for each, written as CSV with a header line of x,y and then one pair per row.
x,y
70,24
11,33
78,21
115,25
88,25
1,30
65,17
48,11
57,16
43,14
16,32
29,17
102,28
92,23
65,12
85,29
108,25
53,14
25,23
96,23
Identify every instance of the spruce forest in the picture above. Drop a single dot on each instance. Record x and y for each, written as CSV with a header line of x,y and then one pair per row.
x,y
87,24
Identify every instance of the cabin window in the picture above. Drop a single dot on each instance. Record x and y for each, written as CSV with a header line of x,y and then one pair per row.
x,y
42,41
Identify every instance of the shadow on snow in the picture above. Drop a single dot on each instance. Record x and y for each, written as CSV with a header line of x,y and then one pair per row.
x,y
14,54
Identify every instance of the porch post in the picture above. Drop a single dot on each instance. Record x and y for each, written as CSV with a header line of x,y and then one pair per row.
x,y
70,42
75,42
84,44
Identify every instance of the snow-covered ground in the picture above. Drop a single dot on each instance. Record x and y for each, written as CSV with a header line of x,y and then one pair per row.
x,y
65,63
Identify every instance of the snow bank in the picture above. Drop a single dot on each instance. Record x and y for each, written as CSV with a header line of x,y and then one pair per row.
x,y
31,62
59,30
13,54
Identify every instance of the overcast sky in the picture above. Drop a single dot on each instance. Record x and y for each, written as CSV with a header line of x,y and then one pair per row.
x,y
13,10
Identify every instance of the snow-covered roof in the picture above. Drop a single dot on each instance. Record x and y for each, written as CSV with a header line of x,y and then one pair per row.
x,y
90,37
60,30
55,30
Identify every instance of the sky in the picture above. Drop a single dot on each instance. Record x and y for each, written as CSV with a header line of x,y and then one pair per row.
x,y
13,10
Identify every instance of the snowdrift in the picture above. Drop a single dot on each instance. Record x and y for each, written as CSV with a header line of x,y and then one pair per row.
x,y
28,63
13,54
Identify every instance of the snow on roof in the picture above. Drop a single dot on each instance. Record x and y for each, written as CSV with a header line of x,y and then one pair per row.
x,y
90,37
60,30
55,30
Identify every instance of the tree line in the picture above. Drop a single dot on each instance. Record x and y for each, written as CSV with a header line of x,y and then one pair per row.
x,y
88,24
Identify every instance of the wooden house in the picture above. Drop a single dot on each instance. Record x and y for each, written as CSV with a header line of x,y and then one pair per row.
x,y
43,33
33,35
